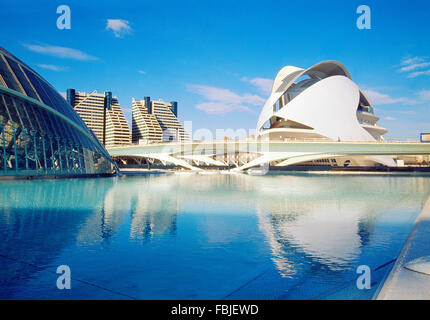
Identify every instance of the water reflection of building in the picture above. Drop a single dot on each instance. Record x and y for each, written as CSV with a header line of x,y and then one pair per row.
x,y
329,225
133,199
38,220
152,218
329,234
321,223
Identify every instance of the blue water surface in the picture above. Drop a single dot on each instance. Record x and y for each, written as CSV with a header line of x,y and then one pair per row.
x,y
292,236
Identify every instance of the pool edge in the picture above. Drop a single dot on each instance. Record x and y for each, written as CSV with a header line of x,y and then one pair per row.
x,y
403,284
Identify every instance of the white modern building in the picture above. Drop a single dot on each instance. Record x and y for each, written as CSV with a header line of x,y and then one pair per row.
x,y
314,117
320,103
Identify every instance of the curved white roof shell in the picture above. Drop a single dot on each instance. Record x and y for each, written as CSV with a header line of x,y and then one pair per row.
x,y
332,116
327,102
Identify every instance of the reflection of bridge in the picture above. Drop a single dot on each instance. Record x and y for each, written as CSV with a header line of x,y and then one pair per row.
x,y
250,153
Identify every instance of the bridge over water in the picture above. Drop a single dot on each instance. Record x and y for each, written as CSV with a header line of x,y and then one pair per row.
x,y
250,153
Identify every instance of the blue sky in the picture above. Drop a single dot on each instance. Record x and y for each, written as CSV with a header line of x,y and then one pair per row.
x,y
218,58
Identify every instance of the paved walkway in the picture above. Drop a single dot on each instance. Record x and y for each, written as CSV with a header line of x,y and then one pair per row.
x,y
401,283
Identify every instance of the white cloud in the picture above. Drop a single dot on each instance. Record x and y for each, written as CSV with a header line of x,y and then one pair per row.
x,y
60,52
119,27
389,118
419,98
416,63
221,108
141,71
378,98
223,101
409,61
415,66
419,73
226,95
263,84
52,67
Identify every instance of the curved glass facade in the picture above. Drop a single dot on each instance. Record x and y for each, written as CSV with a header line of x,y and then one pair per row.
x,y
40,133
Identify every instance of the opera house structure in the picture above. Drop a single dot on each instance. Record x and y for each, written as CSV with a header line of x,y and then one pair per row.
x,y
314,119
40,133
321,103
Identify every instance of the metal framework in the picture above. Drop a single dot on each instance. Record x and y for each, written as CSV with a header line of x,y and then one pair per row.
x,y
38,141
40,133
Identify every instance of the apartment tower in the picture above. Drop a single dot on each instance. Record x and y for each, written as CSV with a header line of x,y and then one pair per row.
x,y
156,121
91,108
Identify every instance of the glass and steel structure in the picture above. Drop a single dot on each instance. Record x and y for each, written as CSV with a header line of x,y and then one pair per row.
x,y
40,133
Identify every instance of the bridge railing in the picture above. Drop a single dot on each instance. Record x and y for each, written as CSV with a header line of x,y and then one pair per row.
x,y
292,140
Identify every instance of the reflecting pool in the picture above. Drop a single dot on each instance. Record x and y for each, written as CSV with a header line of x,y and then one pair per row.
x,y
204,236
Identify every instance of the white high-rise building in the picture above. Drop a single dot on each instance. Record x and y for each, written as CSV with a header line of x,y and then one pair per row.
x,y
90,107
156,121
